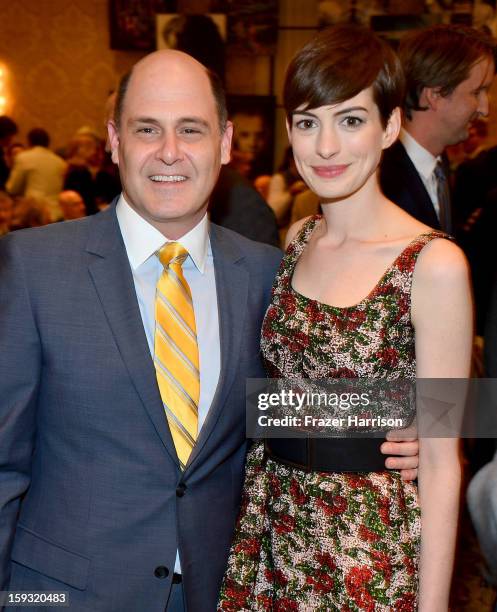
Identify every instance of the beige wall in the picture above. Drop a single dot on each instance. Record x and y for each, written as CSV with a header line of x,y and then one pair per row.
x,y
59,65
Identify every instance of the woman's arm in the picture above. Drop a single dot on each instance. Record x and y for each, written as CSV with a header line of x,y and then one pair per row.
x,y
442,318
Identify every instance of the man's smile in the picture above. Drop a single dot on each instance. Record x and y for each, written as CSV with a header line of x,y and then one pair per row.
x,y
168,178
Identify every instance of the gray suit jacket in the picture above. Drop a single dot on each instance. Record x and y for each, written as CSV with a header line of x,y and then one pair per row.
x,y
92,500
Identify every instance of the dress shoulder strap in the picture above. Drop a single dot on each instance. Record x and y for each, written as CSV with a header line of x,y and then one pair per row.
x,y
293,252
406,261
297,245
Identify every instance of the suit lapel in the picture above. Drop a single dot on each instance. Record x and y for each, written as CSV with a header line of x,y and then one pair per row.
x,y
113,280
232,280
420,195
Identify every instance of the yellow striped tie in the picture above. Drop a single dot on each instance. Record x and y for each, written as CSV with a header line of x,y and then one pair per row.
x,y
176,350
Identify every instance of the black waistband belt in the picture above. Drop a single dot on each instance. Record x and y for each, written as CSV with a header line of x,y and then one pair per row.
x,y
328,454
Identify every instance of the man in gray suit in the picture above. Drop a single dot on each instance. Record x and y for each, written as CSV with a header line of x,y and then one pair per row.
x,y
93,498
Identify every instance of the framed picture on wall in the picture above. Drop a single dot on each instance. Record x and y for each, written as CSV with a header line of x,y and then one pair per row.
x,y
201,36
204,30
253,134
132,24
253,27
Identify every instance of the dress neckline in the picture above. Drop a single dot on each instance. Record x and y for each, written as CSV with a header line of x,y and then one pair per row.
x,y
305,235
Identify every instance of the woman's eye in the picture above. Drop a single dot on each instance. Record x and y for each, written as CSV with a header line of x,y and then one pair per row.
x,y
352,122
305,124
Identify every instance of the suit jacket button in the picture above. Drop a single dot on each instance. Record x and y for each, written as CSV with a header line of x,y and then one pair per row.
x,y
180,489
161,572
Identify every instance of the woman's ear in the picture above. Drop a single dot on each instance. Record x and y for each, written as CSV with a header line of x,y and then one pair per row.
x,y
392,129
288,130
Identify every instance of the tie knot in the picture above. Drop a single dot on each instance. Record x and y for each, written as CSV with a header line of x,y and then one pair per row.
x,y
440,172
172,253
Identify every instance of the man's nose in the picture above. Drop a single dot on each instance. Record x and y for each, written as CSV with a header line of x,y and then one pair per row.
x,y
483,104
169,150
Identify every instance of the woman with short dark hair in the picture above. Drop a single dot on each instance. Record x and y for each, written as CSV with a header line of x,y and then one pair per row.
x,y
364,291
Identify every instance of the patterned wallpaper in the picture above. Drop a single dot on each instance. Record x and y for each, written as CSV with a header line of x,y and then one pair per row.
x,y
60,68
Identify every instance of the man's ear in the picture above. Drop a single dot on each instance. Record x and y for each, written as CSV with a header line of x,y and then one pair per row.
x,y
392,129
430,97
113,140
226,139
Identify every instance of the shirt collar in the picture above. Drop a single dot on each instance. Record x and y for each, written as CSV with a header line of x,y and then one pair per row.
x,y
142,240
422,159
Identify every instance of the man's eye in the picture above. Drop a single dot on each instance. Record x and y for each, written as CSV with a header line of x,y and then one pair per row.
x,y
352,122
305,124
190,131
146,130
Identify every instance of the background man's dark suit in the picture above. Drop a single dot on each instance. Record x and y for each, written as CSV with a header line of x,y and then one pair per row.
x,y
402,184
237,205
86,455
473,181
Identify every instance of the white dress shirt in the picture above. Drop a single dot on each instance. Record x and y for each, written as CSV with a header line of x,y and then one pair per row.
x,y
142,241
425,164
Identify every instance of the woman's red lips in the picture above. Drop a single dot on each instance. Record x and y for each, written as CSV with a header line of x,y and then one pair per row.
x,y
330,171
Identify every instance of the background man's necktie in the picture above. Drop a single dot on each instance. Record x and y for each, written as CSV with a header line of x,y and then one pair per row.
x,y
176,350
443,196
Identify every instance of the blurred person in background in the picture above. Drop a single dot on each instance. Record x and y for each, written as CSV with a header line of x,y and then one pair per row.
x,y
6,207
283,187
237,205
8,129
90,172
305,204
72,205
38,173
449,70
482,490
12,152
29,212
474,179
199,36
250,154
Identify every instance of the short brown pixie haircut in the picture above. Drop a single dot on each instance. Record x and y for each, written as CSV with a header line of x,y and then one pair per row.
x,y
338,64
440,57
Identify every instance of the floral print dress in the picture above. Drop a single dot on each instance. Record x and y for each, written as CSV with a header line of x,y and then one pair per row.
x,y
330,541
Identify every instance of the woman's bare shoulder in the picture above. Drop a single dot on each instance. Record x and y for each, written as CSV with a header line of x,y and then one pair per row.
x,y
441,283
295,229
441,260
